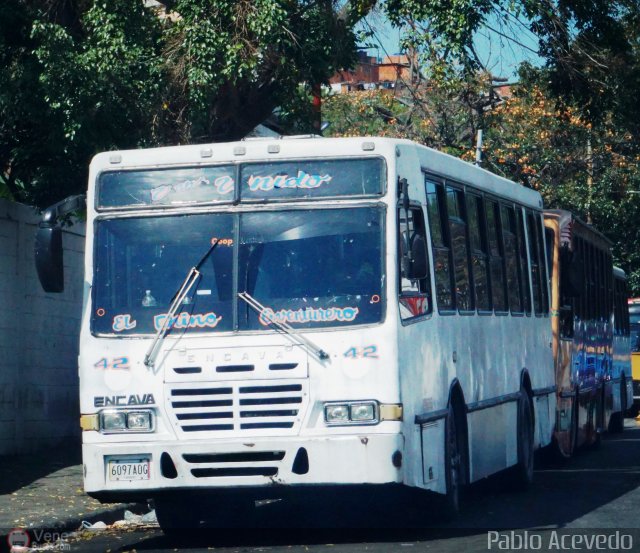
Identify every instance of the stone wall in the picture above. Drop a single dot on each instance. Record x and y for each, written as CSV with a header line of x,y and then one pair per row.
x,y
38,338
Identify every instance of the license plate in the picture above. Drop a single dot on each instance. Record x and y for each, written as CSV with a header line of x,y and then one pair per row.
x,y
128,469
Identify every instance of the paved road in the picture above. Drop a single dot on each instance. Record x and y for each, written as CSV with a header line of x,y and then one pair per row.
x,y
596,493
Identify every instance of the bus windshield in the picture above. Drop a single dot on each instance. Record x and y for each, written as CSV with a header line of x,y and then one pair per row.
x,y
309,268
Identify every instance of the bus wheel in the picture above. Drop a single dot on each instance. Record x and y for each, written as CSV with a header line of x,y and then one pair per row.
x,y
598,421
616,422
454,465
522,472
575,419
177,516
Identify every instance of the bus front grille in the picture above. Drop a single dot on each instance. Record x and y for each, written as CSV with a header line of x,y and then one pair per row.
x,y
246,407
216,465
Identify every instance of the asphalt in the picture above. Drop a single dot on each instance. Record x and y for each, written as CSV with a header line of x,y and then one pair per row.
x,y
44,491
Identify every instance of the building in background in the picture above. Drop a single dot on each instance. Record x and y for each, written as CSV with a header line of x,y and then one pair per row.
x,y
372,72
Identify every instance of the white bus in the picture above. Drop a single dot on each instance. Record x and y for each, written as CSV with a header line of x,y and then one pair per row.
x,y
265,316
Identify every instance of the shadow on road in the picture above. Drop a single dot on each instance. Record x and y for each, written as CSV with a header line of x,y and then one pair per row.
x,y
561,496
18,471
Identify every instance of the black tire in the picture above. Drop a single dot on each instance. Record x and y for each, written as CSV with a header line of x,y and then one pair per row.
x,y
454,465
177,515
616,422
598,421
522,472
575,419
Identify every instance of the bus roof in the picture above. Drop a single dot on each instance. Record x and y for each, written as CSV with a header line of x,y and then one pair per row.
x,y
571,226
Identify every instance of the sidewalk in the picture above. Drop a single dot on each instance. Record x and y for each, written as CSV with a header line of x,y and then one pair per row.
x,y
44,490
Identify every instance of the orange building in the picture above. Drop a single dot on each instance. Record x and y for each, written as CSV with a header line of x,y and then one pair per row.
x,y
370,73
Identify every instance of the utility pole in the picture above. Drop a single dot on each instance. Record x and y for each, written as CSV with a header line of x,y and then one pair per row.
x,y
479,148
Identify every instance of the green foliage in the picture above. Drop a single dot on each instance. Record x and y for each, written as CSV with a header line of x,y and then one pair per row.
x,y
73,90
86,76
591,170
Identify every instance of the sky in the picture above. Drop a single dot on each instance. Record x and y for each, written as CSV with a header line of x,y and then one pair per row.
x,y
500,48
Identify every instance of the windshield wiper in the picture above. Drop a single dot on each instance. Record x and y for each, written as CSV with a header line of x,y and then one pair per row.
x,y
192,277
283,326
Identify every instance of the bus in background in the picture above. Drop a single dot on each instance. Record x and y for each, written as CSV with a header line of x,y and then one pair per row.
x,y
582,307
634,318
285,316
621,375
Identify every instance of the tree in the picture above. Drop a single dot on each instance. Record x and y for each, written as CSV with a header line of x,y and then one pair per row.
x,y
78,77
591,170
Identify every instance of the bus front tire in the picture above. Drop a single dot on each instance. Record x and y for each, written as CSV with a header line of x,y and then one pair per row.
x,y
176,515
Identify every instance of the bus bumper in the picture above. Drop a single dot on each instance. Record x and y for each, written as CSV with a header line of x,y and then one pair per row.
x,y
258,463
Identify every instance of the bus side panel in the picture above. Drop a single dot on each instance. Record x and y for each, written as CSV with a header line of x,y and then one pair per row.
x,y
433,457
544,412
492,441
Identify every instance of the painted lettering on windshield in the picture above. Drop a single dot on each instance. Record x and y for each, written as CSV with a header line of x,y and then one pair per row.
x,y
188,320
302,180
223,185
309,315
123,322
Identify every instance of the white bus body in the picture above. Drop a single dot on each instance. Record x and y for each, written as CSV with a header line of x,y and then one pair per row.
x,y
203,389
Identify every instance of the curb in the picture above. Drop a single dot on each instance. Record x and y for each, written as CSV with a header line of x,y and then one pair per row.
x,y
72,524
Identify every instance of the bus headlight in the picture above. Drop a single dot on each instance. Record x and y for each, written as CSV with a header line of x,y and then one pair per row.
x,y
126,421
336,413
114,421
362,412
352,412
139,420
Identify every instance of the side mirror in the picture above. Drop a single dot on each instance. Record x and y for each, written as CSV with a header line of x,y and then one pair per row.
x,y
48,248
49,257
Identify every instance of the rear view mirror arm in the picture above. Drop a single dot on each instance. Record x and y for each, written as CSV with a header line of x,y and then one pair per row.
x,y
52,214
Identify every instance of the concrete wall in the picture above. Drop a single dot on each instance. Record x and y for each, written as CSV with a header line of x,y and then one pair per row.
x,y
38,338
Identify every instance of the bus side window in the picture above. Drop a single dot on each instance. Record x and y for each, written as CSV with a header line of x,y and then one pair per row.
x,y
536,269
464,298
580,309
514,279
441,250
479,256
496,259
524,261
544,278
415,293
